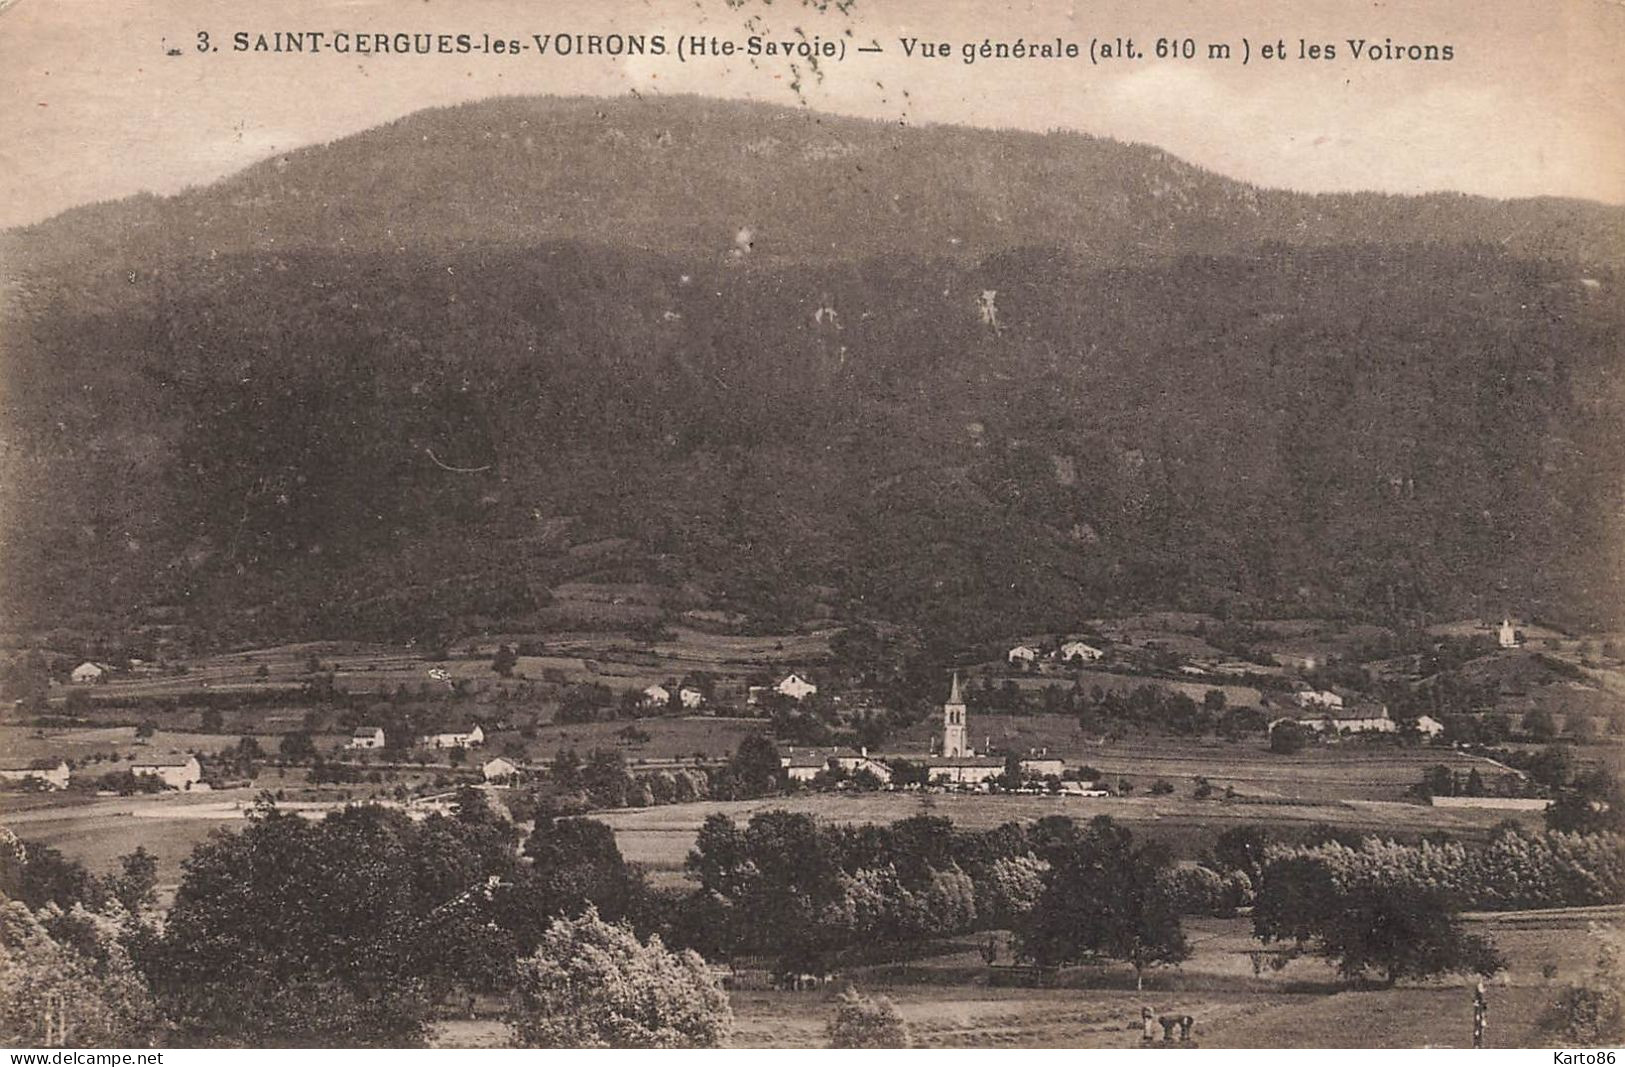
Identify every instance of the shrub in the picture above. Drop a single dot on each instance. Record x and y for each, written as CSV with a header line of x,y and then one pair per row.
x,y
1592,1013
864,1022
591,984
1287,738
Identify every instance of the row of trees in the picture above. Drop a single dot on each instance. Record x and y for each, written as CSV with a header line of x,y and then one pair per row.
x,y
351,929
1514,870
275,940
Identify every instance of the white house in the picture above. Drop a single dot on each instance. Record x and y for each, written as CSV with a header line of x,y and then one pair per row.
x,y
1506,636
805,764
963,770
500,770
51,776
656,696
1360,718
473,737
367,737
1042,767
1023,655
795,687
1429,726
1078,652
177,772
1317,698
88,673
690,697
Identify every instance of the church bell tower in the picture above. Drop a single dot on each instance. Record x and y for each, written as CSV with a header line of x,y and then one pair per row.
x,y
953,723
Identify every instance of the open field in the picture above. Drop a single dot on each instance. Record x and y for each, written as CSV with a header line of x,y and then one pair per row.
x,y
118,743
660,838
97,830
613,659
945,997
1341,771
1235,696
1346,785
686,737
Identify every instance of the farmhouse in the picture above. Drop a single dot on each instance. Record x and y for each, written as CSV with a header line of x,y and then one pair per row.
x,y
1428,726
367,737
1022,656
1358,718
177,772
500,770
1317,698
1042,767
88,673
473,737
791,685
43,773
795,687
963,770
1303,661
1078,652
805,764
656,696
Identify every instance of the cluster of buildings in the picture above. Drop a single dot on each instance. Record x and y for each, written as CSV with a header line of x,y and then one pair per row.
x,y
181,772
1066,652
1332,711
372,737
688,697
44,774
955,763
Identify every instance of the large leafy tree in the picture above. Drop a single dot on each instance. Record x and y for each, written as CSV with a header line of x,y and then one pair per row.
x,y
1103,897
37,875
594,984
755,767
575,865
1594,803
1368,920
335,932
65,980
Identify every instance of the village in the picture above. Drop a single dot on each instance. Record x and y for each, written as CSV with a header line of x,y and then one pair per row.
x,y
1144,703
1139,721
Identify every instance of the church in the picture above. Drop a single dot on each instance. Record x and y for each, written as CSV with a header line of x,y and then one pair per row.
x,y
959,764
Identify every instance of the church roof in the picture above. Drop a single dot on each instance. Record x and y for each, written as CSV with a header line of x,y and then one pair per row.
x,y
953,694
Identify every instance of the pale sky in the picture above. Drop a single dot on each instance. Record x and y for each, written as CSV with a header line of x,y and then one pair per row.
x,y
1532,104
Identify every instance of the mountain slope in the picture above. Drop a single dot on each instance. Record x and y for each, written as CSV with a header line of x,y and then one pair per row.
x,y
220,415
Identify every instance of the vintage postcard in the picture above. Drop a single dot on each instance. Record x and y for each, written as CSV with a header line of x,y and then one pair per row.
x,y
812,523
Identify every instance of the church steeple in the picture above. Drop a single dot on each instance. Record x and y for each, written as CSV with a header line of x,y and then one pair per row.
x,y
953,723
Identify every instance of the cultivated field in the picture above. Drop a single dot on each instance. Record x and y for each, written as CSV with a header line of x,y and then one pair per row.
x,y
1346,786
660,838
1346,770
945,995
613,659
688,737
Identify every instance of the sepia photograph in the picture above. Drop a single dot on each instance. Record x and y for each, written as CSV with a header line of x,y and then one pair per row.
x,y
817,524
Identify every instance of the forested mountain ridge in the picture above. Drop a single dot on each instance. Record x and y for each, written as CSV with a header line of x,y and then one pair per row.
x,y
374,389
